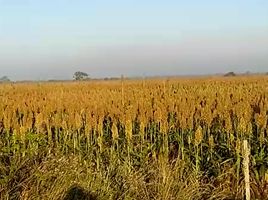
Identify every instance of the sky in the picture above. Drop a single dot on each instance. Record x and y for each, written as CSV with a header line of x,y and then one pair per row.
x,y
52,39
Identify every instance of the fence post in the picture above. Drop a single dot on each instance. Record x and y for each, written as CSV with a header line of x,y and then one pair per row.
x,y
246,168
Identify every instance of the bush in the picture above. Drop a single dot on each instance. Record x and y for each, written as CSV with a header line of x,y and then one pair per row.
x,y
230,74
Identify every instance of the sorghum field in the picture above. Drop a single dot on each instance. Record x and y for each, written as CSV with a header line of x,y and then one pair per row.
x,y
134,139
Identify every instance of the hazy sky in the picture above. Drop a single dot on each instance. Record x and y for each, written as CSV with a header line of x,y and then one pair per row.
x,y
45,39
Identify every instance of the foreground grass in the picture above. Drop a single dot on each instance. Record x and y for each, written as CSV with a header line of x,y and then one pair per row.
x,y
69,177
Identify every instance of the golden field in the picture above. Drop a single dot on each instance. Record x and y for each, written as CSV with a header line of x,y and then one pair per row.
x,y
134,139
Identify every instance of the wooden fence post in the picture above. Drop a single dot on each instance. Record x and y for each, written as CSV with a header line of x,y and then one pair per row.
x,y
246,153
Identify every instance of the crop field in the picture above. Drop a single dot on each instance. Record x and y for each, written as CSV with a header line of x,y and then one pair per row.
x,y
134,139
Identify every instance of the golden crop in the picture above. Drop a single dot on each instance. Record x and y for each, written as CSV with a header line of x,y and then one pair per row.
x,y
201,121
70,106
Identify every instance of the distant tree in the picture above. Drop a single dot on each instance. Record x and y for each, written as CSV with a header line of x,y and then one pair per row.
x,y
79,76
4,79
229,74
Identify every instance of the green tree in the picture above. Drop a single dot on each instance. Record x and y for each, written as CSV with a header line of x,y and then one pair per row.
x,y
79,76
230,74
4,79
